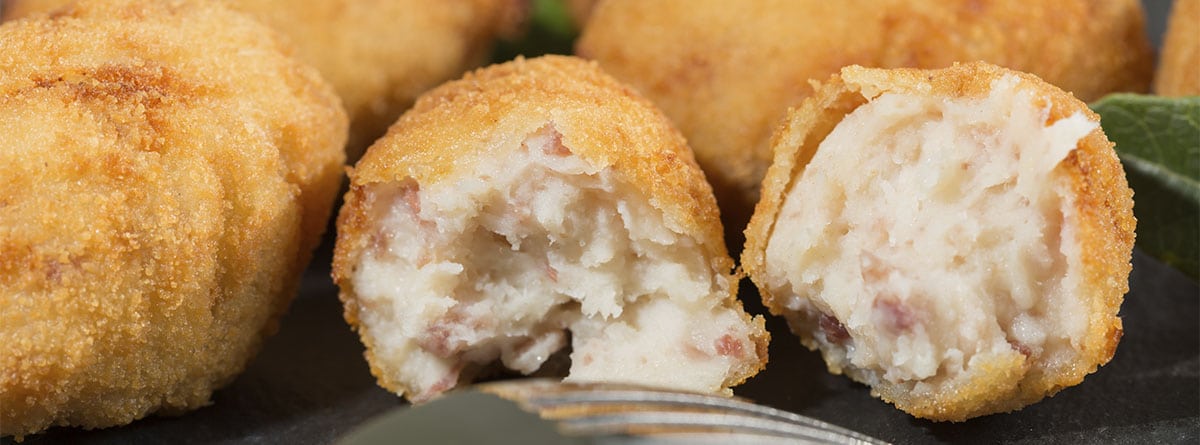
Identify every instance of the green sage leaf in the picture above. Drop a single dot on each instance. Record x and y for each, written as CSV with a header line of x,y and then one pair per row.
x,y
1158,141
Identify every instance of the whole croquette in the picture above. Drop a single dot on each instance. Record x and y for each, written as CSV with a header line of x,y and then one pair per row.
x,y
532,205
378,54
165,171
727,75
1179,64
958,239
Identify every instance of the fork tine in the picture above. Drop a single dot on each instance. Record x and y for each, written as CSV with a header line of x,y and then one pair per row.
x,y
672,423
624,409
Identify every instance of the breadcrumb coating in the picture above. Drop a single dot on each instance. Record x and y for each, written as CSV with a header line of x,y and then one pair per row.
x,y
379,55
165,171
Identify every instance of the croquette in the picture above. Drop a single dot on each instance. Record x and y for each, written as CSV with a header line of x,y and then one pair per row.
x,y
378,54
726,76
957,239
1179,64
166,168
532,205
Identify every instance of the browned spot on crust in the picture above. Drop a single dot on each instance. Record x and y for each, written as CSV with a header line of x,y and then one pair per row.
x,y
423,258
381,200
378,241
446,382
53,271
551,272
117,166
872,268
835,332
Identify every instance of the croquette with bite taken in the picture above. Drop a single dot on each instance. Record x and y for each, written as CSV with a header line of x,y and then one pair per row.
x,y
528,207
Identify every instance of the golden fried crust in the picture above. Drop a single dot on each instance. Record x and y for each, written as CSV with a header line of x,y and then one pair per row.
x,y
457,126
726,76
1104,217
1178,74
1088,48
159,205
378,54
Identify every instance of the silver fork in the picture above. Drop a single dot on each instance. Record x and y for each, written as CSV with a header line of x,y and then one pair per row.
x,y
640,414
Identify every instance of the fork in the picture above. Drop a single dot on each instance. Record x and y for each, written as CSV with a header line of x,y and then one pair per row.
x,y
649,415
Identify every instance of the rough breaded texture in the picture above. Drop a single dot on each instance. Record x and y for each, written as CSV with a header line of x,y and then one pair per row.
x,y
165,170
1178,73
726,76
378,54
465,112
1097,238
454,145
381,54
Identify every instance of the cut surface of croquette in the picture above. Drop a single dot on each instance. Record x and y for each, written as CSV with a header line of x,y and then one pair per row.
x,y
379,55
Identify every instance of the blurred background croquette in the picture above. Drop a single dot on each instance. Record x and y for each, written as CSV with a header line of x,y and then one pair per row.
x,y
580,10
378,54
1179,64
166,169
726,75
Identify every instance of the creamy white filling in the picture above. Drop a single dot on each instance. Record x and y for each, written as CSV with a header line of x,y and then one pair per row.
x,y
932,232
501,264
